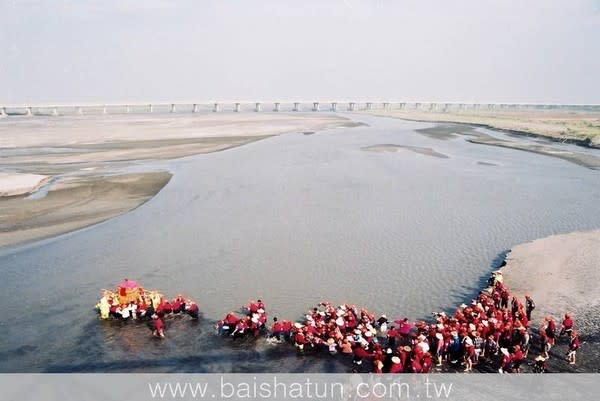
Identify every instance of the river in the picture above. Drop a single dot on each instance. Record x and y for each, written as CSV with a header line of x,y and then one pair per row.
x,y
293,220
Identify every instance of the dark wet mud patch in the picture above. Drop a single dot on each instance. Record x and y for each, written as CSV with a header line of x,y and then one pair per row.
x,y
447,131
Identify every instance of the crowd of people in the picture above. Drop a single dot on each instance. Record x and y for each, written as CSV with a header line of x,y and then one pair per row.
x,y
132,302
493,333
251,323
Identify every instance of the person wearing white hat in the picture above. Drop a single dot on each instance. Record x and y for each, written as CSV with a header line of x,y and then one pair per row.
x,y
505,365
396,366
332,346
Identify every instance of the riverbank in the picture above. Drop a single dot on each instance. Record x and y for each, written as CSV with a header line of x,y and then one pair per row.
x,y
78,162
561,274
446,131
581,128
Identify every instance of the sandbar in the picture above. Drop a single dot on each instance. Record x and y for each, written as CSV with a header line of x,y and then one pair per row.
x,y
80,159
561,273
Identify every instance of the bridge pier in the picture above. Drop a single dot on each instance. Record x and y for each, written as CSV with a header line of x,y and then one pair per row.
x,y
150,108
127,109
334,106
386,105
296,106
216,108
276,107
104,110
369,106
236,107
173,109
351,106
54,111
257,107
402,106
80,111
315,106
194,108
3,112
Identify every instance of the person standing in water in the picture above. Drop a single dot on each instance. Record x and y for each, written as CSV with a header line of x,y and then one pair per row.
x,y
158,326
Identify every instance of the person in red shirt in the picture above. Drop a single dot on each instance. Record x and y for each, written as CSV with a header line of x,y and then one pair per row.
x,y
286,326
506,362
396,366
191,308
178,304
573,347
415,364
392,333
158,327
550,330
517,358
252,307
360,353
567,326
240,328
277,329
227,325
300,340
426,362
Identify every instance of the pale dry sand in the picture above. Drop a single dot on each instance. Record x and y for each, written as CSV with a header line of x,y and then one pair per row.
x,y
13,184
562,273
80,154
86,130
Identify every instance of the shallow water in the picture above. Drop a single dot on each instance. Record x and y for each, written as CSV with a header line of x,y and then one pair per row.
x,y
292,220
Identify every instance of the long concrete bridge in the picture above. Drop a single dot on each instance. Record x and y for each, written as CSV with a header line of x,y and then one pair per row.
x,y
266,106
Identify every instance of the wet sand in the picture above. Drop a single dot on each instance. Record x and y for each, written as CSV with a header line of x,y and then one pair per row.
x,y
451,131
78,157
561,273
396,148
581,127
75,203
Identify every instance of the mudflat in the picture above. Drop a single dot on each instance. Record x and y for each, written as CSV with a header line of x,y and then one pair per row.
x,y
78,161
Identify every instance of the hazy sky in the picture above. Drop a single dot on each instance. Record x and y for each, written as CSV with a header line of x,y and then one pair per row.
x,y
152,50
